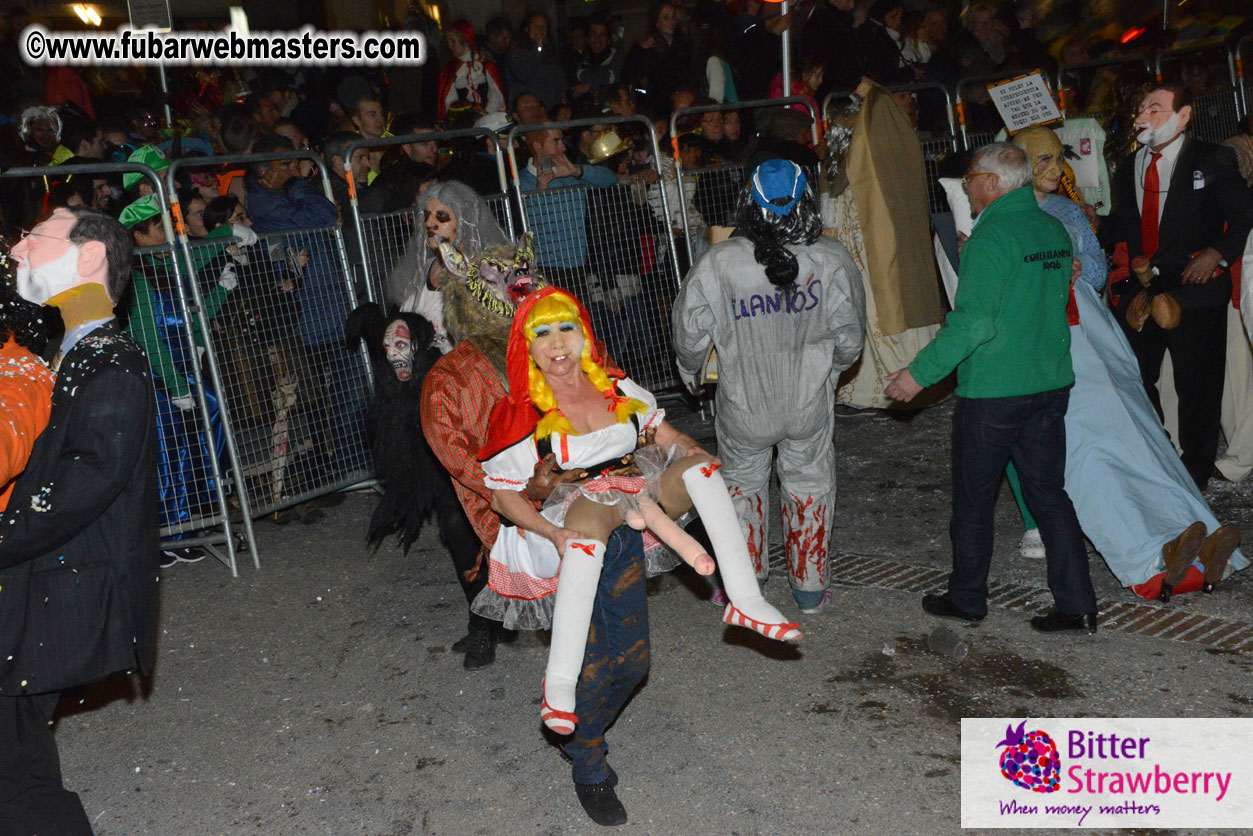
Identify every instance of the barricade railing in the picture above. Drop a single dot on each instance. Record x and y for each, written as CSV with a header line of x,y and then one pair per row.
x,y
1216,114
382,237
1066,91
165,316
613,247
935,150
950,114
716,187
1244,84
292,396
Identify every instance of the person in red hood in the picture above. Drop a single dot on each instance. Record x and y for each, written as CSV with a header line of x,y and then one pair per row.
x,y
468,77
566,398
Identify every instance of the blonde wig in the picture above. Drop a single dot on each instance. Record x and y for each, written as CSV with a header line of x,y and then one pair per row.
x,y
555,308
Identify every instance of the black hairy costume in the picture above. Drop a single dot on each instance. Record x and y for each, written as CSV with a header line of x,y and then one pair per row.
x,y
412,478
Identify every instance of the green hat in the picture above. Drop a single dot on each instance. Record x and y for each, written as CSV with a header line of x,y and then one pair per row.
x,y
141,210
148,155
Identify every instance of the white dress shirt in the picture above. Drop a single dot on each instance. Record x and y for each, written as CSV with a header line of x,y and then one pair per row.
x,y
1165,170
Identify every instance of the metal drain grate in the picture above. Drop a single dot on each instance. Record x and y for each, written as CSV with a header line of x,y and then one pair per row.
x,y
1154,620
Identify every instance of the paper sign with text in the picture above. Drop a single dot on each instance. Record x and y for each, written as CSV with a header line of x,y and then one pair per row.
x,y
1095,772
1024,101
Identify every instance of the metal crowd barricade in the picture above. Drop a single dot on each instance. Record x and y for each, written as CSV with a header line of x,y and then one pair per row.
x,y
292,396
935,150
713,190
629,273
192,481
981,81
1244,84
1215,114
1073,70
383,237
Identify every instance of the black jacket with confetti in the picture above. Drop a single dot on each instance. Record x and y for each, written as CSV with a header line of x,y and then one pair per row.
x,y
78,542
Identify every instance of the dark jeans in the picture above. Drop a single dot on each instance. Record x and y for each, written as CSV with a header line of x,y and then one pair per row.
x,y
1030,430
617,653
32,799
1198,354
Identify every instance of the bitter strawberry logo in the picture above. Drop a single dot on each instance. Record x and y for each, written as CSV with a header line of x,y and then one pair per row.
x,y
1030,759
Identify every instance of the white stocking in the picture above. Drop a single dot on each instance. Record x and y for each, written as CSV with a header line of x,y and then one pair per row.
x,y
572,618
709,494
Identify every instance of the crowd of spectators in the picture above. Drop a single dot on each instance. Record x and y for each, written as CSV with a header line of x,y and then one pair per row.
x,y
507,73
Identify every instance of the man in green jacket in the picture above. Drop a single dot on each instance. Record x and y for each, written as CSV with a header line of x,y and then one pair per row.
x,y
1009,339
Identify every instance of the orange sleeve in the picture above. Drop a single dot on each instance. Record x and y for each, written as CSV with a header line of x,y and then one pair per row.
x,y
25,406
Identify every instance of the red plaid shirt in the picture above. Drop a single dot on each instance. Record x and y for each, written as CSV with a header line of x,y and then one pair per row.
x,y
457,398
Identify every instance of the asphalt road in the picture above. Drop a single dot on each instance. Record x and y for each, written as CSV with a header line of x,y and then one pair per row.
x,y
318,695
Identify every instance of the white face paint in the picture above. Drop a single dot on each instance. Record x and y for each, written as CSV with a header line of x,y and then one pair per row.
x,y
1160,135
41,283
399,349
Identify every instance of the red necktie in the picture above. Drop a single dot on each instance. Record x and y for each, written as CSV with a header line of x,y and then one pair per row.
x,y
1148,208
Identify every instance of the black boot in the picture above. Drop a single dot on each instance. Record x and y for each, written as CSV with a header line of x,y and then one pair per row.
x,y
462,644
480,644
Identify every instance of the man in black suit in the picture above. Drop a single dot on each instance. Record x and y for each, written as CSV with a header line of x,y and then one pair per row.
x,y
78,541
1181,203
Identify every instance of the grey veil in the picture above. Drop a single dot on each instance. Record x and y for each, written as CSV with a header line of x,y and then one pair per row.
x,y
477,230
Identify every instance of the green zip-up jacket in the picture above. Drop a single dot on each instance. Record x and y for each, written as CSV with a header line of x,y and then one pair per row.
x,y
141,323
1007,334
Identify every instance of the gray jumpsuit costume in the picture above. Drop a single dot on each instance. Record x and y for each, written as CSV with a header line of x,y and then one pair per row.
x,y
780,352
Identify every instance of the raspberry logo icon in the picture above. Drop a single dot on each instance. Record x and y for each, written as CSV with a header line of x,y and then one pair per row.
x,y
1030,759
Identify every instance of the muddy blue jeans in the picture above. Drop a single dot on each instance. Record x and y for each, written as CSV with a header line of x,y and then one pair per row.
x,y
617,653
1030,430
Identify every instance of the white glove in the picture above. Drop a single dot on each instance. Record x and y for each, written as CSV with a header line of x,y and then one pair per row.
x,y
245,234
227,280
186,403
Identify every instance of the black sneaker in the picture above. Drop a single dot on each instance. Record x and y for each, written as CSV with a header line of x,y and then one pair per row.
x,y
601,803
480,646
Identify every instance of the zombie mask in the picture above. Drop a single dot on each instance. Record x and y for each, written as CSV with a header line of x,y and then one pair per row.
x,y
398,346
498,278
1047,157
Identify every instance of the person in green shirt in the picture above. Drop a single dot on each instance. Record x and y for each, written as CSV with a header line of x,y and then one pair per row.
x,y
1008,337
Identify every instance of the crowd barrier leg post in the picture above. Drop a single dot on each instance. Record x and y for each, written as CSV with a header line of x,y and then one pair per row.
x,y
179,234
678,179
354,209
512,225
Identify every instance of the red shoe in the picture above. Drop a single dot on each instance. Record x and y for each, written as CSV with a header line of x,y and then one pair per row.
x,y
561,722
786,632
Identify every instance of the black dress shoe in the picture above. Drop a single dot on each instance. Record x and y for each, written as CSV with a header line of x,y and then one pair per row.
x,y
601,803
1056,622
943,606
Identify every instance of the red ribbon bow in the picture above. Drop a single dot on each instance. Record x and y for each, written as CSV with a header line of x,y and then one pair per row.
x,y
708,470
586,548
613,397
